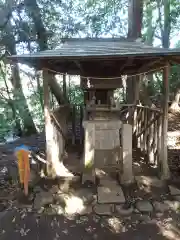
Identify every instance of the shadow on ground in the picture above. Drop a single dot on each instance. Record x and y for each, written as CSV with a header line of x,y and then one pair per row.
x,y
15,224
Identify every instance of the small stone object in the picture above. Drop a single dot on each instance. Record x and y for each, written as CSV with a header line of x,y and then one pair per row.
x,y
174,190
176,198
159,215
144,206
2,207
123,210
42,199
111,195
145,218
86,195
160,207
37,189
173,205
103,209
54,189
87,210
112,102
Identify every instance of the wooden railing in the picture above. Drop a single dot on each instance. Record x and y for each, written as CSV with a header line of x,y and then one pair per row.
x,y
75,128
147,123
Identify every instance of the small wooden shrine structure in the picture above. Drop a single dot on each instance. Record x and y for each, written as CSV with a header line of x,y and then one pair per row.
x,y
107,138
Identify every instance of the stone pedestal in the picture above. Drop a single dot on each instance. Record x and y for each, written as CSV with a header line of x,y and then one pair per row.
x,y
127,175
102,145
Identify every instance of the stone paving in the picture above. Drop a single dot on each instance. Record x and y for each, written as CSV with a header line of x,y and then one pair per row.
x,y
73,201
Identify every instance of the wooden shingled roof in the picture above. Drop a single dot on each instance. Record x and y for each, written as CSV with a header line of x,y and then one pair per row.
x,y
101,57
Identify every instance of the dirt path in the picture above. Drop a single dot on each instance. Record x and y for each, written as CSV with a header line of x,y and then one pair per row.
x,y
15,225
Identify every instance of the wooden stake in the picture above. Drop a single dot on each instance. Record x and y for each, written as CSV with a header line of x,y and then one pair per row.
x,y
164,152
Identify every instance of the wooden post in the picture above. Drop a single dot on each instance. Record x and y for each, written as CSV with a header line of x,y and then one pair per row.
x,y
159,131
164,152
136,89
73,124
64,87
151,132
155,139
48,126
142,126
81,127
145,127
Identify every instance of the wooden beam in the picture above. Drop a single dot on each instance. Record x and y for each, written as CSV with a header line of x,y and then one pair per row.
x,y
164,152
175,59
79,66
148,65
48,125
128,62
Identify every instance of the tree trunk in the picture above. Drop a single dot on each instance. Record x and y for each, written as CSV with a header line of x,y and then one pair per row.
x,y
42,39
135,14
18,131
167,25
175,104
22,106
55,89
19,97
135,10
144,91
39,90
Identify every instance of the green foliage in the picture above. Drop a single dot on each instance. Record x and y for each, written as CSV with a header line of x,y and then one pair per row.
x,y
74,18
75,94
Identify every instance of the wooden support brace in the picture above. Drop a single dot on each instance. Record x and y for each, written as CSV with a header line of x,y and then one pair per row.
x,y
148,125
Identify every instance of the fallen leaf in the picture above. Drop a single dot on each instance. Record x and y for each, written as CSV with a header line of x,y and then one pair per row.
x,y
23,216
57,236
65,231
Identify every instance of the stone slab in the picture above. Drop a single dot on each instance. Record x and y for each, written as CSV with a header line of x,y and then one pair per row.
x,y
113,194
174,191
86,195
160,206
106,139
103,209
42,198
177,198
144,206
108,157
108,182
149,181
124,211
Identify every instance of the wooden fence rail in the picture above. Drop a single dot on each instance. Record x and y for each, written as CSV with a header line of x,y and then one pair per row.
x,y
75,128
147,132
